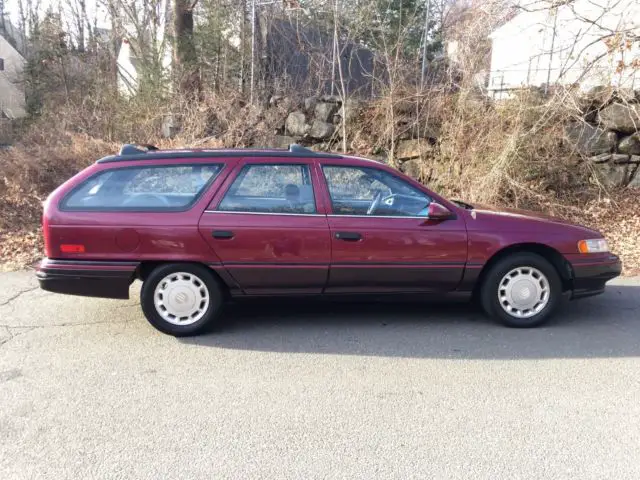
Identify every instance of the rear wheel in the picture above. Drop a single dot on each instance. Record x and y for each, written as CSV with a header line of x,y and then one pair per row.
x,y
181,299
521,290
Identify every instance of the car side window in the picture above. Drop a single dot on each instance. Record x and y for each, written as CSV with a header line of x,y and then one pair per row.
x,y
154,188
182,180
262,188
374,192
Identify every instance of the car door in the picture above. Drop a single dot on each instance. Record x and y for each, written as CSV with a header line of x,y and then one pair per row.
x,y
381,237
268,228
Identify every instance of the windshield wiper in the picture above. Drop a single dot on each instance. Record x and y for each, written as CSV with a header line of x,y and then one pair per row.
x,y
462,204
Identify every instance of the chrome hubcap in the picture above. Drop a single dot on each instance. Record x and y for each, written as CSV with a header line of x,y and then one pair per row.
x,y
181,298
523,292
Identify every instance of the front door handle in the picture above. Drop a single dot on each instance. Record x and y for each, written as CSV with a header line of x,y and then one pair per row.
x,y
222,234
348,236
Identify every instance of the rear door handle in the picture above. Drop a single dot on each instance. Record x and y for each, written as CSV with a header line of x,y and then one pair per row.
x,y
222,234
348,236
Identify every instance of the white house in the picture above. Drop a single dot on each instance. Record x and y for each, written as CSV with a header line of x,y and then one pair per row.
x,y
12,64
129,65
127,69
140,39
582,42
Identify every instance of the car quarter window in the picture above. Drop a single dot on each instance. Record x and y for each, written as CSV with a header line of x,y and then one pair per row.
x,y
166,187
373,191
271,188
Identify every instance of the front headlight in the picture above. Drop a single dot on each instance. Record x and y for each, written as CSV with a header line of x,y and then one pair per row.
x,y
598,245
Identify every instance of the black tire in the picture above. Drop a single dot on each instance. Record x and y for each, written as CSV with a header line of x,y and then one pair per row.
x,y
491,283
211,313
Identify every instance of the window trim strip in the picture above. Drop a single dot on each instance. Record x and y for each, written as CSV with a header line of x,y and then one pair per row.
x,y
315,215
266,213
378,216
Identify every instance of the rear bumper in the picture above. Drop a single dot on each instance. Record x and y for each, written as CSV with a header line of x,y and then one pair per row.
x,y
589,278
87,278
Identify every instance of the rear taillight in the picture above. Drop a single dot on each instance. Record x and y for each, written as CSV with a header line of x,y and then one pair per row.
x,y
72,248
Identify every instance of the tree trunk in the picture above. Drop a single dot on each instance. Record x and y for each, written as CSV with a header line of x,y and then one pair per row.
x,y
2,15
81,20
243,46
185,60
115,38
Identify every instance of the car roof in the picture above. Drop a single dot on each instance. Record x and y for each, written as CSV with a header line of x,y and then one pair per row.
x,y
149,152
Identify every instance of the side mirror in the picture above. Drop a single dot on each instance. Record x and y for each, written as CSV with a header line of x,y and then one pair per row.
x,y
439,212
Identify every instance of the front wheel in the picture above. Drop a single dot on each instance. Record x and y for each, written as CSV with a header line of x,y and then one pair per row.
x,y
521,290
181,299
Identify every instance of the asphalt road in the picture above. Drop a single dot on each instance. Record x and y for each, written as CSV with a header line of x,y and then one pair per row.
x,y
311,390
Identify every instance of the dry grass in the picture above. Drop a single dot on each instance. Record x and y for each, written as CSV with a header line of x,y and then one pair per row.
x,y
618,219
29,174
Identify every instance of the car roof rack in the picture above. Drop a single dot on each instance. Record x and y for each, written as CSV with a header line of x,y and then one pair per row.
x,y
130,149
130,152
295,148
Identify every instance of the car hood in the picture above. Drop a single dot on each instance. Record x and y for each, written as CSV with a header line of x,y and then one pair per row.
x,y
523,216
516,212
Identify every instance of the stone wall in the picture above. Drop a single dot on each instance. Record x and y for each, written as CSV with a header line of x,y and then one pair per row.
x,y
317,122
608,135
6,131
314,121
604,133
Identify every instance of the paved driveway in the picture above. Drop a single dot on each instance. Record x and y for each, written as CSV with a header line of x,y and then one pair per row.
x,y
89,390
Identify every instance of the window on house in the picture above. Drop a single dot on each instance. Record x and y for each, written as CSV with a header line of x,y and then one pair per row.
x,y
497,80
1,64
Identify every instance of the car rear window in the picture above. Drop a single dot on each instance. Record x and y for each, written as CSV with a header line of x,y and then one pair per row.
x,y
165,187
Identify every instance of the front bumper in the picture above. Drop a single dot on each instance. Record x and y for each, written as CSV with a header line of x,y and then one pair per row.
x,y
590,277
87,278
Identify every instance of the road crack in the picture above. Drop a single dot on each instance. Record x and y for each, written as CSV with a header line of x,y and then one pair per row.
x,y
61,325
12,334
13,331
17,295
127,306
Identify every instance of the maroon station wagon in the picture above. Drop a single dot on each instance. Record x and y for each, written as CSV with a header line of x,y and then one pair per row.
x,y
200,226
